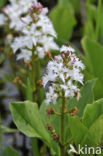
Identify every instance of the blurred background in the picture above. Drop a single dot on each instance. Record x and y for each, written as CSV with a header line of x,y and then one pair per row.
x,y
78,22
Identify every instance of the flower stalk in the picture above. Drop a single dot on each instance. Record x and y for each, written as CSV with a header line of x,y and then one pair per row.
x,y
62,127
38,73
33,76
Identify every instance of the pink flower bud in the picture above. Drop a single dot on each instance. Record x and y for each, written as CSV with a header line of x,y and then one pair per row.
x,y
68,52
40,6
34,16
56,58
35,5
30,10
63,55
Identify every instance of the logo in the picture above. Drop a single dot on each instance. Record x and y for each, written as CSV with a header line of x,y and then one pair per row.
x,y
84,150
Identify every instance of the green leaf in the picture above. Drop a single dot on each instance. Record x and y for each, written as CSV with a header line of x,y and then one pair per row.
x,y
89,28
89,131
94,55
92,112
2,2
86,97
93,120
63,21
29,121
78,130
66,3
76,5
10,152
101,28
94,61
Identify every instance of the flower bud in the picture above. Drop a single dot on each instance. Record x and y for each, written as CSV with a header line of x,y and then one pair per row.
x,y
28,64
50,111
40,83
73,111
16,80
48,54
50,128
55,137
77,95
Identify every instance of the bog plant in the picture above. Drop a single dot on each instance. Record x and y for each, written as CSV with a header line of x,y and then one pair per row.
x,y
68,116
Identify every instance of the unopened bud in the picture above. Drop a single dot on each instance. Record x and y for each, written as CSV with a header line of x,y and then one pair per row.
x,y
50,128
77,94
34,16
50,111
40,83
16,80
63,55
68,52
48,54
28,64
74,111
55,137
56,58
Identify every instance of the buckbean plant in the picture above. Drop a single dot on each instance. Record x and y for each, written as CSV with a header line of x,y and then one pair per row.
x,y
58,106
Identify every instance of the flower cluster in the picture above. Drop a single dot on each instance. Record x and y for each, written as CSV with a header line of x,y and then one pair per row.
x,y
63,76
14,11
37,33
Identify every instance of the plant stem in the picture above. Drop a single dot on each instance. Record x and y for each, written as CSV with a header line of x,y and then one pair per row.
x,y
62,127
38,73
33,76
35,149
34,141
98,19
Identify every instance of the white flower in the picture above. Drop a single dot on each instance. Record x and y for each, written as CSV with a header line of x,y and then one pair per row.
x,y
44,11
40,52
48,43
25,55
15,10
63,76
23,22
46,25
51,96
37,32
21,42
77,76
65,48
50,77
3,19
